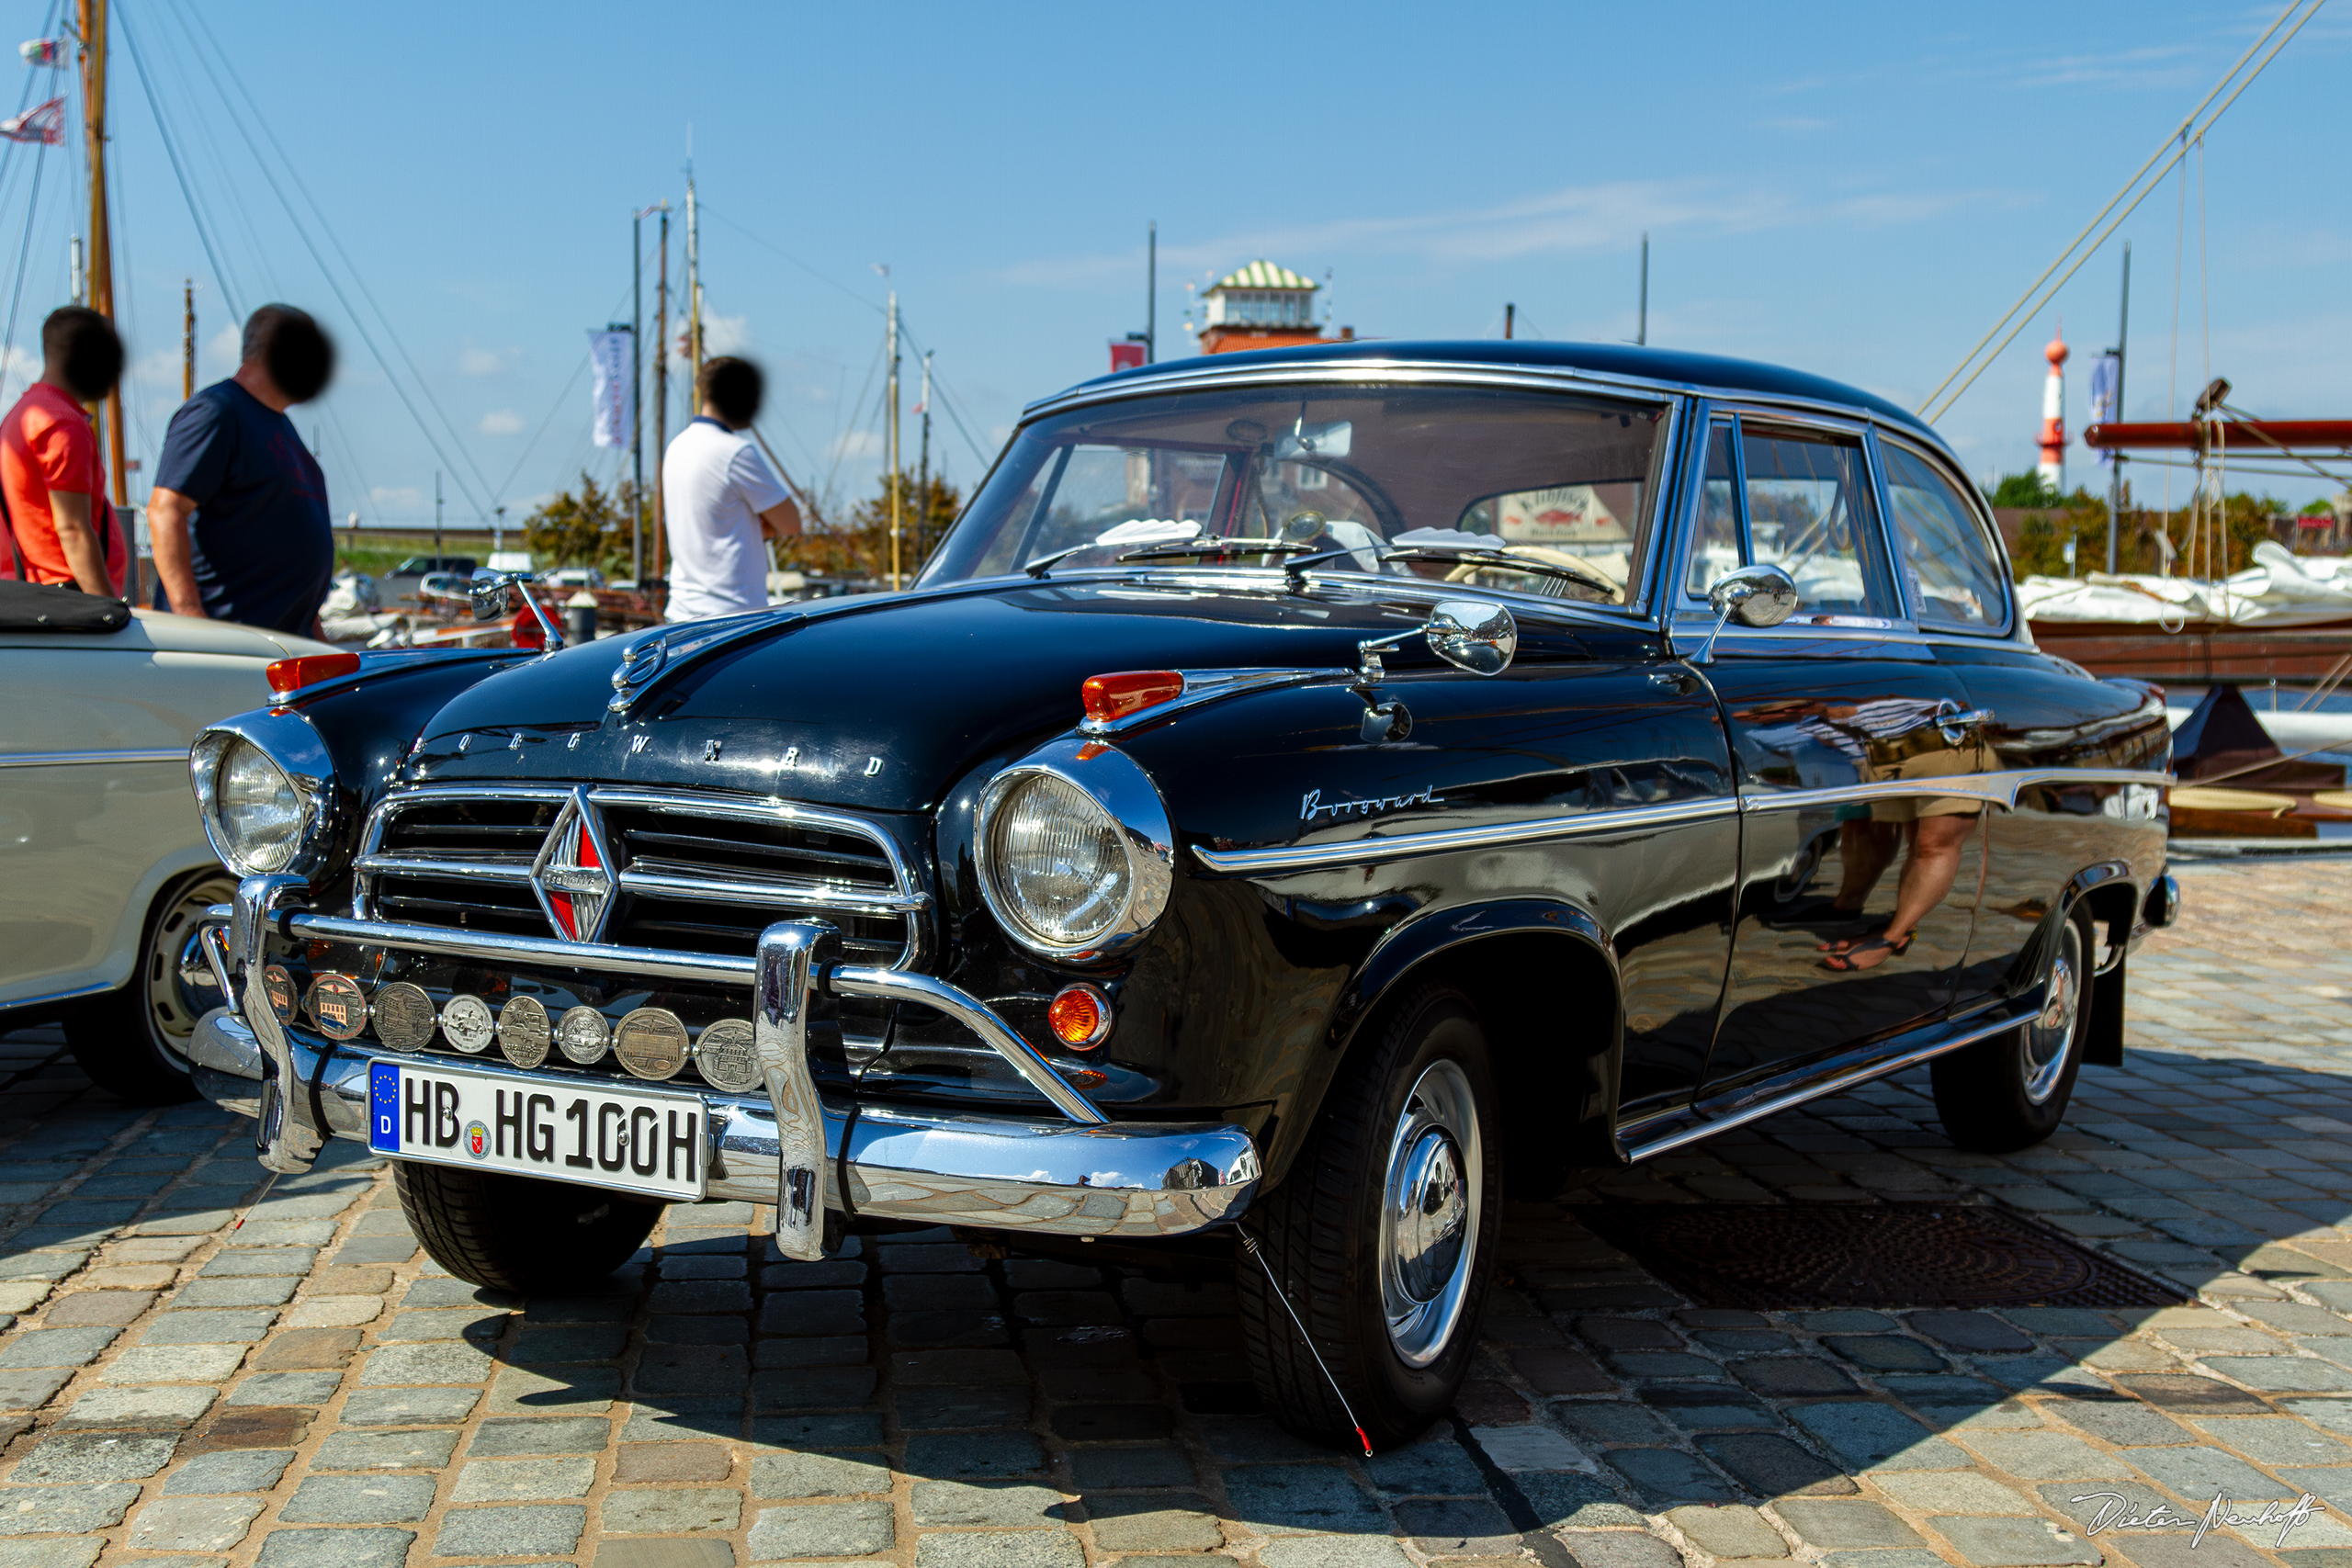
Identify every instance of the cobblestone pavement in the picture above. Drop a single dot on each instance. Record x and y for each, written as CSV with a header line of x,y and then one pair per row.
x,y
310,1391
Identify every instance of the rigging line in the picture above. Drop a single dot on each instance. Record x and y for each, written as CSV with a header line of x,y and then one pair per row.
x,y
221,177
1988,361
228,292
2241,467
841,436
709,211
357,276
2119,194
351,455
946,400
553,409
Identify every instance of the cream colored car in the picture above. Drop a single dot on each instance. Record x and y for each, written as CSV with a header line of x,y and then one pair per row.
x,y
104,865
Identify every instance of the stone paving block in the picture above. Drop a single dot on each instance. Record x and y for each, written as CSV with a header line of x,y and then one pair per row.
x,y
55,1553
1875,1437
433,1290
1971,1331
1619,1548
848,1430
370,1250
1616,1422
576,1391
2123,1422
2276,1440
579,1342
71,1457
672,1553
93,1308
282,1232
1110,1423
479,1324
513,1437
701,1295
174,1363
312,1349
1666,1477
971,1456
286,1388
524,1480
1770,1465
1435,1466
1288,1499
359,1500
193,1523
545,1529
1561,1499
2015,1543
1159,1465
2198,1474
841,1350
1012,1548
30,1389
227,1471
641,1462
672,1510
821,1529
1329,1552
47,1348
259,1261
821,1476
1788,1377
387,1451
139,1407
2281,1374
2046,1455
1952,1492
1846,1525
332,1312
1178,1521
255,1291
1884,1352
984,1503
408,1406
1559,1371
39,1511
813,1389
400,1365
245,1328
1735,1532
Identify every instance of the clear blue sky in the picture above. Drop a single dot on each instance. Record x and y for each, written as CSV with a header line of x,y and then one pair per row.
x,y
1857,190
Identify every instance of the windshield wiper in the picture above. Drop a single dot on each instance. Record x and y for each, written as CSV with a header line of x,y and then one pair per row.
x,y
1038,567
1188,547
1505,560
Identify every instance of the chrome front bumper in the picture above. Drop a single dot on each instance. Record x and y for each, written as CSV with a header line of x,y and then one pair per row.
x,y
1120,1178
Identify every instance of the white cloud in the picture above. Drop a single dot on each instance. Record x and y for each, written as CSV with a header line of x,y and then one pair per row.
x,y
396,497
502,422
220,353
476,360
858,444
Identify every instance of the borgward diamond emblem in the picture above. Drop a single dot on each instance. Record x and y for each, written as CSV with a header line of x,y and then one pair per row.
x,y
573,873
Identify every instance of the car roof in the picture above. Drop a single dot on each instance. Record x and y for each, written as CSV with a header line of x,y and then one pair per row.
x,y
1710,372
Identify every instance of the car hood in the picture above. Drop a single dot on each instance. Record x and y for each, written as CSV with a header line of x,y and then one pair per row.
x,y
881,703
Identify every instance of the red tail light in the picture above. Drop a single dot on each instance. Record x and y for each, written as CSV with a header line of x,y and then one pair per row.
x,y
1106,697
292,674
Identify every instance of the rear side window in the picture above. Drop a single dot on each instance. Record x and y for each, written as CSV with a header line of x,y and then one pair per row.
x,y
1799,500
1949,565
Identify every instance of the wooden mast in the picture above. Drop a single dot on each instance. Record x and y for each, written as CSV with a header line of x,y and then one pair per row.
x,y
94,118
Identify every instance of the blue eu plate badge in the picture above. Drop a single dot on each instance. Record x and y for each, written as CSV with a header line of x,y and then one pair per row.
x,y
384,1106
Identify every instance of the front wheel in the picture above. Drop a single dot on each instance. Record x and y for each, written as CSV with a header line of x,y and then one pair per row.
x,y
517,1232
133,1040
2010,1093
1382,1236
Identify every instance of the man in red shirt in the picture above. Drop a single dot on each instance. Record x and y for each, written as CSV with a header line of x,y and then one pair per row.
x,y
49,471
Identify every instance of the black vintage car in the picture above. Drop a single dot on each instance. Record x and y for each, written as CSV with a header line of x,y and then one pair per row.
x,y
1308,794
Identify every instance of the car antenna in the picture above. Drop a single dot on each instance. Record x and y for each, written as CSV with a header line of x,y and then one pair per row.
x,y
1249,1245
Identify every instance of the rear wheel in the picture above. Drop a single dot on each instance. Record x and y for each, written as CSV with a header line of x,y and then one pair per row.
x,y
1382,1236
133,1040
515,1232
2011,1092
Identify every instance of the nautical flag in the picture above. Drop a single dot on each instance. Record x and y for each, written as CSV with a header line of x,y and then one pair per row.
x,y
614,356
2106,370
45,124
42,51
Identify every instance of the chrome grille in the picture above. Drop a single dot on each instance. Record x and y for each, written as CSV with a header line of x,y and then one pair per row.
x,y
692,874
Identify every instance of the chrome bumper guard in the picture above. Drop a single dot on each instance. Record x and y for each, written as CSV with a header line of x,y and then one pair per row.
x,y
1084,1175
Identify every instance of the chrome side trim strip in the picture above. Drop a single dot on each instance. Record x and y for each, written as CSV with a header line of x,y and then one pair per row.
x,y
1996,789
452,942
768,895
398,864
928,1164
76,759
1379,849
1984,1027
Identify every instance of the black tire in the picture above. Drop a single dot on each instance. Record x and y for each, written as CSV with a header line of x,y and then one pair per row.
x,y
1321,1232
2010,1093
132,1042
517,1233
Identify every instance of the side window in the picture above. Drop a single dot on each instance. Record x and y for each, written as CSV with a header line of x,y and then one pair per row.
x,y
1949,565
1714,545
1809,513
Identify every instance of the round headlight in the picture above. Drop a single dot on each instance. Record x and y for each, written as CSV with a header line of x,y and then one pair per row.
x,y
1075,855
1060,868
258,809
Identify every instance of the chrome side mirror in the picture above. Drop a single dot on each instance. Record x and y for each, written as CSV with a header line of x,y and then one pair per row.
x,y
1473,634
491,595
495,592
1757,596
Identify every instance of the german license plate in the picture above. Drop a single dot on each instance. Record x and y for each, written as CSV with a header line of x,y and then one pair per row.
x,y
628,1139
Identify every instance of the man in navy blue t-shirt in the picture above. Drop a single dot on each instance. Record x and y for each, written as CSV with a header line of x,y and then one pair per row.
x,y
261,549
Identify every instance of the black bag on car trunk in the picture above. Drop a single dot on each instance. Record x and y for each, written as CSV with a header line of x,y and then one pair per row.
x,y
45,607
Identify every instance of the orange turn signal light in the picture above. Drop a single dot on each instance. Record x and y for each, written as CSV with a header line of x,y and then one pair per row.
x,y
1106,697
1079,1016
292,674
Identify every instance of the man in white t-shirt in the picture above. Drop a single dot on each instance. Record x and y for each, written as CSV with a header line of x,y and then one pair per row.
x,y
722,500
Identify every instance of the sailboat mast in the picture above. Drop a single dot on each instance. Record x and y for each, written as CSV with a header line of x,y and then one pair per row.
x,y
94,115
660,391
694,284
923,463
893,455
188,340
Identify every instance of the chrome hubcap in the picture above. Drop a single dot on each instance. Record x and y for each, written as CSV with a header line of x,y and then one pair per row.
x,y
180,989
1429,1215
2047,1036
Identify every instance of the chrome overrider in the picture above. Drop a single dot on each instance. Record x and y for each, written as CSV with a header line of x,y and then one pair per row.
x,y
1082,1175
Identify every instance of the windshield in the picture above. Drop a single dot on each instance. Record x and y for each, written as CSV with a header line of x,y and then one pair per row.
x,y
1531,492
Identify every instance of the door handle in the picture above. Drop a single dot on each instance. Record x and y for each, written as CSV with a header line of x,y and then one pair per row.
x,y
1955,722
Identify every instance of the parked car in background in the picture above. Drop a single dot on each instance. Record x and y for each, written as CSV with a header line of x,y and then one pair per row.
x,y
572,577
402,582
444,586
1307,794
104,862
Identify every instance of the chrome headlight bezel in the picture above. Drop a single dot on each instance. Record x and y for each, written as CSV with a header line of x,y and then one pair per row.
x,y
289,744
1126,795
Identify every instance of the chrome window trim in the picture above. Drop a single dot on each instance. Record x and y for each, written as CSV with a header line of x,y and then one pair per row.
x,y
83,758
2000,789
1977,508
907,904
1117,783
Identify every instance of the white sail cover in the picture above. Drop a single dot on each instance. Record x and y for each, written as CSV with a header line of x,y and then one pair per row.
x,y
2278,590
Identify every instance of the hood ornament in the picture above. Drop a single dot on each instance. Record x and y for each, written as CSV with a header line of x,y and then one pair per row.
x,y
640,665
574,874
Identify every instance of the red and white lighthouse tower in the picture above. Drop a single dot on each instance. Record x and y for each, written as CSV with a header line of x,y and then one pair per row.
x,y
2052,467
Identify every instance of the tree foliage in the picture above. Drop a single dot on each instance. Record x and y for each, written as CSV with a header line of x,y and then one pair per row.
x,y
2041,545
2023,489
860,547
586,528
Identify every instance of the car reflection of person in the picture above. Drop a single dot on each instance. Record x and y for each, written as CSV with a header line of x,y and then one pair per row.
x,y
1932,830
65,532
722,500
239,511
